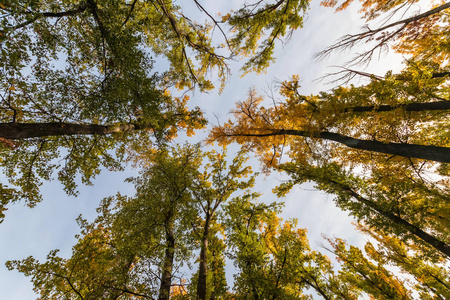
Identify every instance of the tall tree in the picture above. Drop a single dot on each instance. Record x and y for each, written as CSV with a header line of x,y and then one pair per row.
x,y
69,70
274,261
393,192
75,68
306,123
163,209
367,275
405,208
146,236
213,187
430,273
97,269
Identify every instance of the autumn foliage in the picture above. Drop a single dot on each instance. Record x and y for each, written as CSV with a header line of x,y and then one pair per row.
x,y
79,95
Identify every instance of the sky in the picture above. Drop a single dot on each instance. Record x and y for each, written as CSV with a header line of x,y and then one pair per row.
x,y
51,224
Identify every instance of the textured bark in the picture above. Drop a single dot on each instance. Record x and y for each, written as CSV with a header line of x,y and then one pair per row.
x,y
427,106
201,284
440,154
214,279
434,153
419,233
18,131
166,277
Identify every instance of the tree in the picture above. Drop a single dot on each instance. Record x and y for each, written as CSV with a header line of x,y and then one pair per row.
x,y
147,236
305,123
213,187
405,208
274,260
97,269
105,86
430,274
279,19
161,215
367,275
394,193
422,35
77,68
150,231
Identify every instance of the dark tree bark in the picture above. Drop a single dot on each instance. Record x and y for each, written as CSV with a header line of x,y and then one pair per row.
x,y
416,231
427,106
166,277
434,153
440,75
18,131
317,288
201,284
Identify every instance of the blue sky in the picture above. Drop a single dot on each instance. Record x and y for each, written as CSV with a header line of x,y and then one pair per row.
x,y
51,224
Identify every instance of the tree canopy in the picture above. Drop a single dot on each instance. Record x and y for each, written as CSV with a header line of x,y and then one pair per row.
x,y
135,248
80,92
75,71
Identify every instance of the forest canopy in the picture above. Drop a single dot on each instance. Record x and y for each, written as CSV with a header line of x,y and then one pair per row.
x,y
92,85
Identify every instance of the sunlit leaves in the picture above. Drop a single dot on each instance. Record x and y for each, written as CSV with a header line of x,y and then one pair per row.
x,y
377,111
267,21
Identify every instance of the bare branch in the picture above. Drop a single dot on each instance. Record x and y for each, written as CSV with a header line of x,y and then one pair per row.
x,y
348,41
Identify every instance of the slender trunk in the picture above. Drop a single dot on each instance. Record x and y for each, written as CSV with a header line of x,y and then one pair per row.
x,y
434,153
248,267
18,131
419,233
318,289
214,279
166,277
201,284
427,106
275,294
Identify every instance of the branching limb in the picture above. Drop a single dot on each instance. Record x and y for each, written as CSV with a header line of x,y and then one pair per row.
x,y
350,40
81,7
216,23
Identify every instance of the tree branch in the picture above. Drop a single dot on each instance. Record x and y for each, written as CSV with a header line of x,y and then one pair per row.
x,y
81,7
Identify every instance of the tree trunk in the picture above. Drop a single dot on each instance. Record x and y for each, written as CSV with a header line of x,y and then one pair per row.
x,y
18,131
434,153
166,277
201,284
427,106
317,288
214,279
419,233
